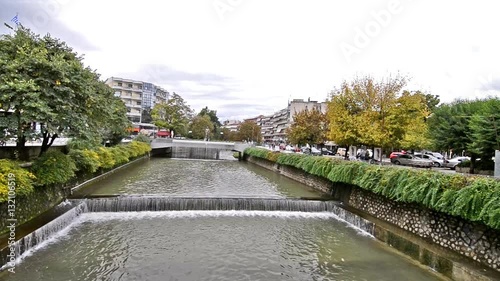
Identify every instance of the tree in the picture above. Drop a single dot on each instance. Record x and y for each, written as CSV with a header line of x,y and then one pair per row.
x,y
43,80
485,129
146,115
199,125
377,113
173,115
249,131
450,127
212,114
309,127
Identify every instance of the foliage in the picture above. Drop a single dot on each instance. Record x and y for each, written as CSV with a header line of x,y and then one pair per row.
x,y
86,160
470,126
22,178
172,115
43,80
53,167
199,125
250,131
378,113
472,198
309,126
142,138
212,114
106,159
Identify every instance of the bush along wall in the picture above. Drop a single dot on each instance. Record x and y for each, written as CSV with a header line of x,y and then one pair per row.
x,y
38,188
457,212
473,198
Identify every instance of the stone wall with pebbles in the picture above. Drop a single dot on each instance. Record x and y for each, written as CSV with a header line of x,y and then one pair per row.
x,y
473,240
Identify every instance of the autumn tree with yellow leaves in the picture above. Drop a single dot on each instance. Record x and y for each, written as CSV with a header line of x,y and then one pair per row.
x,y
378,114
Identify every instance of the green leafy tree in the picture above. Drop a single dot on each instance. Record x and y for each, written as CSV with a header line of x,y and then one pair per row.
x,y
43,80
212,114
199,125
310,126
249,131
485,129
173,115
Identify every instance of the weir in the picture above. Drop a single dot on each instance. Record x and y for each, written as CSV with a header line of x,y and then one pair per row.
x,y
145,203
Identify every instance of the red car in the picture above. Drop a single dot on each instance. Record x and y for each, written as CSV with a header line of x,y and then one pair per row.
x,y
395,154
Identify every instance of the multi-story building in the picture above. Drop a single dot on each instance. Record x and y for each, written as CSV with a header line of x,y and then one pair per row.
x,y
273,127
299,105
231,125
137,95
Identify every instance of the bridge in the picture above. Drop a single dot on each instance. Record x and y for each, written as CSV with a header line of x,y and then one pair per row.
x,y
164,145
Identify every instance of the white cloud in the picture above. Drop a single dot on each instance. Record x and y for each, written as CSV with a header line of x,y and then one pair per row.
x,y
262,53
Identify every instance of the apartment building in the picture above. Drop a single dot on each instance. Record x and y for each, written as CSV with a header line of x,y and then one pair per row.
x,y
137,95
273,127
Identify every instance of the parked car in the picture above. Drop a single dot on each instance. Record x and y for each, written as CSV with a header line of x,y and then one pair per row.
x,y
410,160
394,154
453,162
315,151
437,162
325,151
341,151
435,154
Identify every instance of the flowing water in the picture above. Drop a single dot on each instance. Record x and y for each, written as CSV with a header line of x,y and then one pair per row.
x,y
208,220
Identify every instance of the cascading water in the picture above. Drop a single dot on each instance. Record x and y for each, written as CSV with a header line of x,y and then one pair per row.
x,y
156,204
43,233
137,204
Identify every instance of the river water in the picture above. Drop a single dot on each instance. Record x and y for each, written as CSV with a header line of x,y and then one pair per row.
x,y
211,245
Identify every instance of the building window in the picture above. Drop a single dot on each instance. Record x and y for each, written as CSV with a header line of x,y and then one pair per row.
x,y
119,84
138,103
129,85
139,87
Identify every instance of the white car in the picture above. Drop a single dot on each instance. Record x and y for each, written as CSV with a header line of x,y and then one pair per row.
x,y
437,162
453,162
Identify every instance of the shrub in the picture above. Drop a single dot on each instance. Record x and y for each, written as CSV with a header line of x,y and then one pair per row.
x,y
120,154
106,160
86,160
23,179
53,167
143,138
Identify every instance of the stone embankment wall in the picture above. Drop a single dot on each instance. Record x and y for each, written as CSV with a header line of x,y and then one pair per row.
x,y
475,242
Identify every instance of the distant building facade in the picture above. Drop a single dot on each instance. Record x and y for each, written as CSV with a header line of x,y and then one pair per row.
x,y
273,127
137,95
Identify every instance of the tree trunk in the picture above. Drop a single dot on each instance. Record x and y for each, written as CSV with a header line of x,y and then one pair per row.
x,y
21,151
346,157
472,164
47,142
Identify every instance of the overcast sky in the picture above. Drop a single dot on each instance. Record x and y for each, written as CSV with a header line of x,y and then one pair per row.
x,y
249,57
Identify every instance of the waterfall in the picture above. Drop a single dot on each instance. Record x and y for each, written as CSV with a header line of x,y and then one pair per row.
x,y
137,204
144,203
42,234
195,153
354,220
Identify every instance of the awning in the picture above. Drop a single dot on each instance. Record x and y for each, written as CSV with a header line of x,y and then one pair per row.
x,y
163,134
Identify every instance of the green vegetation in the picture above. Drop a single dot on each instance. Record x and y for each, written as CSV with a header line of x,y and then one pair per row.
x,y
23,179
309,126
472,198
54,167
173,115
43,80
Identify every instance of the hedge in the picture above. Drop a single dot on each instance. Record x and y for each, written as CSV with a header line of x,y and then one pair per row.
x,y
474,198
54,167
